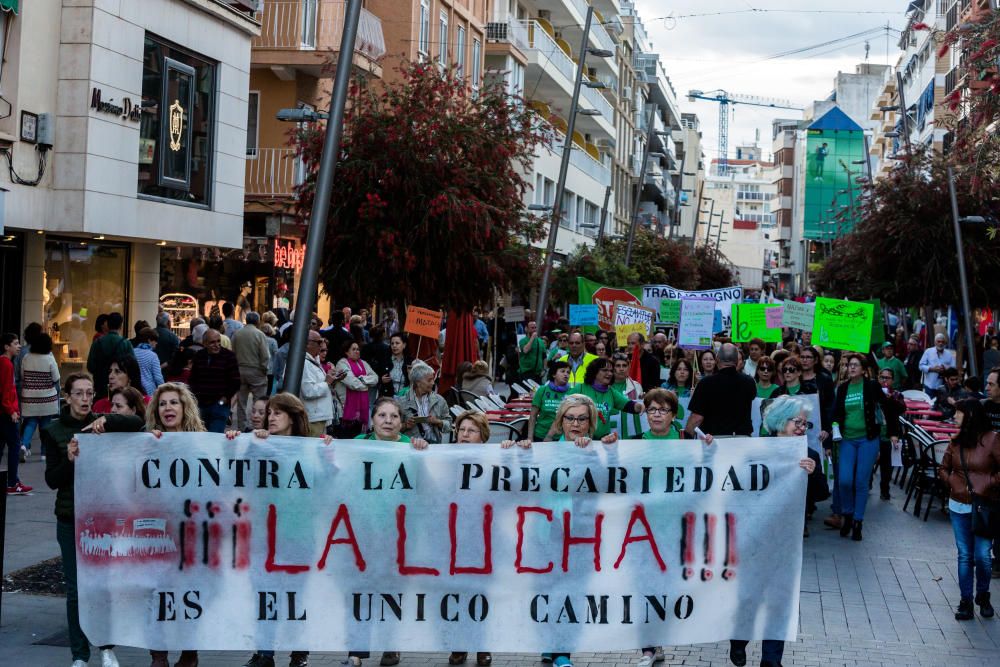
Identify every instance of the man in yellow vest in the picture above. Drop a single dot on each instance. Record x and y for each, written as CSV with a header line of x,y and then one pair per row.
x,y
578,358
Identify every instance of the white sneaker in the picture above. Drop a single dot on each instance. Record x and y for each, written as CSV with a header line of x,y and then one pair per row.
x,y
645,661
79,663
25,454
108,658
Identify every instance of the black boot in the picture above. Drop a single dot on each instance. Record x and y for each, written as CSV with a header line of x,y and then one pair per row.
x,y
985,608
964,612
856,531
845,528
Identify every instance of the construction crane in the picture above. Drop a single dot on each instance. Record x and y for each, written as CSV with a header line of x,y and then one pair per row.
x,y
725,100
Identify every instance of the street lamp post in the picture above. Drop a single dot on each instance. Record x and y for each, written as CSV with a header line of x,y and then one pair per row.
x,y
305,298
956,220
556,213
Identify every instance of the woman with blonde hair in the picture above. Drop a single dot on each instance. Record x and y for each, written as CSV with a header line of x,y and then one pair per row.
x,y
576,421
173,409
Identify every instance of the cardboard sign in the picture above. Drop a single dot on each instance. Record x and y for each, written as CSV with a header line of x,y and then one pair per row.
x,y
630,319
798,315
750,321
583,315
514,314
843,325
697,322
773,317
670,311
423,322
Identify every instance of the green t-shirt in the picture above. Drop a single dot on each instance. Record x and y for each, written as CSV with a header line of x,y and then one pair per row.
x,y
531,362
606,402
766,392
547,401
371,436
854,412
791,390
672,434
898,370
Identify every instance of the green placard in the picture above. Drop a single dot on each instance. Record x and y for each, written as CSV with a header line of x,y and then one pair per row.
x,y
670,311
749,322
843,325
604,297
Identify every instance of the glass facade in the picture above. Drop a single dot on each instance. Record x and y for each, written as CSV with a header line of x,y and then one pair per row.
x,y
830,208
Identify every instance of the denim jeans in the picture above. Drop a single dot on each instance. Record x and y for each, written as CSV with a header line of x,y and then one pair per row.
x,y
28,427
972,550
771,649
857,459
215,416
9,439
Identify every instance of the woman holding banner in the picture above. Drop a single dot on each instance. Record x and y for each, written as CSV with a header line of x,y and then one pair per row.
x,y
597,387
61,451
425,412
786,417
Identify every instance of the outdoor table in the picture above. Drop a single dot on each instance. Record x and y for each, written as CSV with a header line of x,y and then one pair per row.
x,y
935,424
925,413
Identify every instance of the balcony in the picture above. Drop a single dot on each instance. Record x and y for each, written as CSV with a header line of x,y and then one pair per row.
x,y
546,54
272,173
508,32
598,33
304,32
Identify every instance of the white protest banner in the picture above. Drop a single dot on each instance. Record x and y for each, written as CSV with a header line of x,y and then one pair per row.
x,y
514,314
798,315
194,541
724,298
815,426
697,318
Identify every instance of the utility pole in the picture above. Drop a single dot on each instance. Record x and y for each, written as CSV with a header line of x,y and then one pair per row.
x,y
604,215
653,110
305,298
711,216
969,340
697,214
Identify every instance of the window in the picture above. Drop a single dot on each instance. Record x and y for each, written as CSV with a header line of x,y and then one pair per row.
x,y
309,13
178,124
423,45
460,51
253,118
477,49
443,39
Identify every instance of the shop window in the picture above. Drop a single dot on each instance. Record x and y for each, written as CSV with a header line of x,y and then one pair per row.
x,y
177,127
82,280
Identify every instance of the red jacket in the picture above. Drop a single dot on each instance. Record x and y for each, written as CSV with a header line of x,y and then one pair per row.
x,y
8,392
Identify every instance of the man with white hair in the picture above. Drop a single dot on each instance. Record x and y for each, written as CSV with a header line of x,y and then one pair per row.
x,y
934,362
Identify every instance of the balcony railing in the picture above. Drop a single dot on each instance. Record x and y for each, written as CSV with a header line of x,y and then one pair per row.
x,y
273,172
597,31
307,25
548,52
510,32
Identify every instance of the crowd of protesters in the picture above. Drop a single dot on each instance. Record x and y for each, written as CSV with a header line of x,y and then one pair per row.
x,y
362,379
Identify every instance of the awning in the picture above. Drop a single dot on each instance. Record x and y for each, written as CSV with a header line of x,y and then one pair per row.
x,y
9,5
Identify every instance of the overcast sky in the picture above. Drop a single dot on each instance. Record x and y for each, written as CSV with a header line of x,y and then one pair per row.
x,y
724,51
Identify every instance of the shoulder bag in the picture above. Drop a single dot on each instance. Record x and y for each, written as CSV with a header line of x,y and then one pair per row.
x,y
985,513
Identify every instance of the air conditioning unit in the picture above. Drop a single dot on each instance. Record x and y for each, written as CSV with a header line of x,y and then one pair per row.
x,y
607,145
627,92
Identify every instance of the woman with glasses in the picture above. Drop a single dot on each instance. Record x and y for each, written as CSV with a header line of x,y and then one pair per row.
x,y
61,450
855,411
786,417
764,376
661,411
596,386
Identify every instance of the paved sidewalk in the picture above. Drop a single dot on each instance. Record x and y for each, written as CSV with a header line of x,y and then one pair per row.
x,y
887,601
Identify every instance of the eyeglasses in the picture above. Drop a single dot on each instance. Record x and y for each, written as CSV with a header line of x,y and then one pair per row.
x,y
884,377
82,394
576,420
854,364
798,422
659,411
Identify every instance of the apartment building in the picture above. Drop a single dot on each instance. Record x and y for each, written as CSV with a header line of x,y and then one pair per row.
x,y
692,160
125,133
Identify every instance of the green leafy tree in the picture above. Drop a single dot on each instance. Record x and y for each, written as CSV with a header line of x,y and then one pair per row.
x,y
426,205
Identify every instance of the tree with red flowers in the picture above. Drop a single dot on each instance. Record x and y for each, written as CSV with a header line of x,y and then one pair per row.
x,y
426,205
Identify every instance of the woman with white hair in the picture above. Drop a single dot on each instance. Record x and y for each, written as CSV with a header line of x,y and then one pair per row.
x,y
786,417
425,412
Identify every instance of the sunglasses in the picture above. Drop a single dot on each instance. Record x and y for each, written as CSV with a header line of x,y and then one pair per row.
x,y
769,369
790,369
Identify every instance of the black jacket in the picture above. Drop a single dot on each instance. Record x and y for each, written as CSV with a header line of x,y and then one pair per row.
x,y
873,396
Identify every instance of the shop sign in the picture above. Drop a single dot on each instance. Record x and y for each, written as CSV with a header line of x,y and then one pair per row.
x,y
288,256
127,110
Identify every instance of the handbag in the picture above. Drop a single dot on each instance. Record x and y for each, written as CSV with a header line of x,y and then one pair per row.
x,y
985,513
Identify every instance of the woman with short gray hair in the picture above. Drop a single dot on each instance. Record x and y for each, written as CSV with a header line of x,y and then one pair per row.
x,y
425,412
